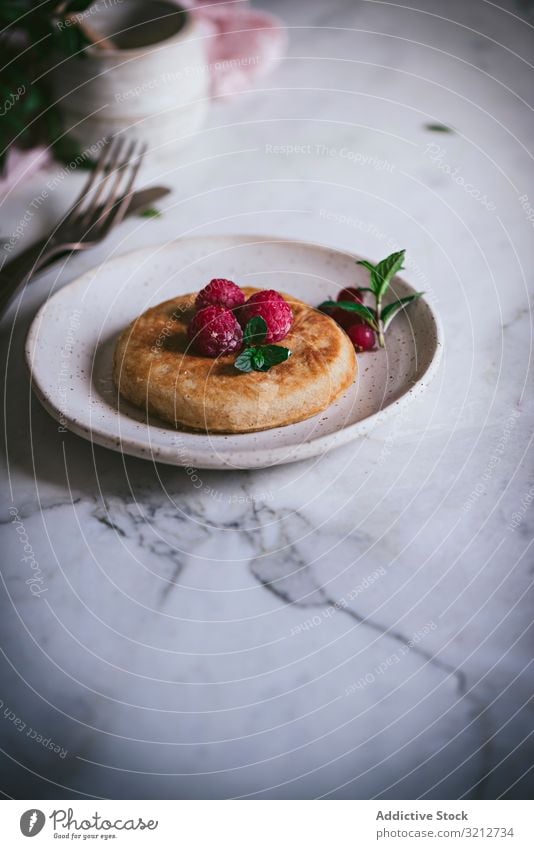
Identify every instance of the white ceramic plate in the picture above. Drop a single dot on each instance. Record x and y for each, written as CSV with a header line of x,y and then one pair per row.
x,y
70,347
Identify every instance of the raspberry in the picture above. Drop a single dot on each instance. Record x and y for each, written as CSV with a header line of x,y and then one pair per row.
x,y
272,307
220,293
362,336
350,293
214,331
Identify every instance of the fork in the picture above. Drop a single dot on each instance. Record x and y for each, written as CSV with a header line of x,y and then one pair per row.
x,y
101,205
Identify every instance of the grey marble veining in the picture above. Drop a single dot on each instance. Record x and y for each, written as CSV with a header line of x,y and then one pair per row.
x,y
358,625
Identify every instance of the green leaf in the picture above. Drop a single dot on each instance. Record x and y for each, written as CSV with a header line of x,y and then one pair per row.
x,y
33,100
364,312
245,360
389,312
258,359
438,128
261,359
31,41
386,270
369,265
151,212
273,355
255,331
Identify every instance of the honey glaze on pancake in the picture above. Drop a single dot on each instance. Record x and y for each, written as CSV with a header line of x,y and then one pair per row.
x,y
155,369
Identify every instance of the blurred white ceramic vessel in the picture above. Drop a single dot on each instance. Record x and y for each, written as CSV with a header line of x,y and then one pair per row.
x,y
153,82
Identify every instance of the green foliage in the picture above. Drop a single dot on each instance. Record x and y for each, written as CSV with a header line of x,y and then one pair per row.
x,y
389,312
368,314
33,36
255,331
381,275
261,358
256,356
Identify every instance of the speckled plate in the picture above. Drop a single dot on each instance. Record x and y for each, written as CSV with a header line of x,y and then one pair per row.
x,y
70,346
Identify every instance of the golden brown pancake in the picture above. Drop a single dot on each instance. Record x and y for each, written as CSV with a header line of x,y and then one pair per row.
x,y
155,369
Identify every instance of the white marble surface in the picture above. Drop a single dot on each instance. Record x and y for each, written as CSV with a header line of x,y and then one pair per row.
x,y
251,636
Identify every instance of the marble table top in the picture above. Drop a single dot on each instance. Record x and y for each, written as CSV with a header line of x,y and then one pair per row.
x,y
353,626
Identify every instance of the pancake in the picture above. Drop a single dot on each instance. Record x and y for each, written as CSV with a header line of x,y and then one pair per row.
x,y
155,370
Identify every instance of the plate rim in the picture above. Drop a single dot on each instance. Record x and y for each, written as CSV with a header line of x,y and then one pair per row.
x,y
210,458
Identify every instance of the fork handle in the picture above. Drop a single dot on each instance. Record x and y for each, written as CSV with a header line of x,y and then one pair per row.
x,y
30,258
16,273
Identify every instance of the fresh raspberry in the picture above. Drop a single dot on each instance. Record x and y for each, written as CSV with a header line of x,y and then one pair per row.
x,y
214,331
272,307
362,336
350,293
220,293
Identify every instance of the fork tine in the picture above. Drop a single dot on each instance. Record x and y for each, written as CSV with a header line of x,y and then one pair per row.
x,y
124,202
107,170
117,206
123,207
137,165
103,202
73,212
113,194
121,202
94,175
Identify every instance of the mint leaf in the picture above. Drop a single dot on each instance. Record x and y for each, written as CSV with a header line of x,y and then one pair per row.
x,y
389,312
151,212
351,306
373,278
255,331
381,276
385,271
368,265
245,360
273,355
261,359
258,359
438,128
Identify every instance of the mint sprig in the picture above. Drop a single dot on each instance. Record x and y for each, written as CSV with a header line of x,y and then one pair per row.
x,y
381,276
256,356
368,314
255,331
389,312
262,359
150,212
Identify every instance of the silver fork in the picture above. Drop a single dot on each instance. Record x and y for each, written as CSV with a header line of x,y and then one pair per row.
x,y
101,205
